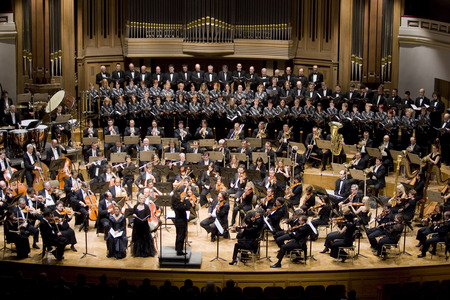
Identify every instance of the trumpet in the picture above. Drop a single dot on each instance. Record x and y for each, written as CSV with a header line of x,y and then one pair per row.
x,y
262,134
367,171
203,132
350,164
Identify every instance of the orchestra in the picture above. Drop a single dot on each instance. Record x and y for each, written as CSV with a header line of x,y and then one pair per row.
x,y
213,121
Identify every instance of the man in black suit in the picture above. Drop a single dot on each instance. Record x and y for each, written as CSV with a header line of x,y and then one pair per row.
x,y
302,78
105,208
205,161
132,130
29,159
437,108
147,175
288,77
158,76
172,148
117,190
218,210
252,78
4,163
210,77
341,186
311,144
284,138
102,75
225,76
324,94
20,211
365,92
145,147
352,94
118,75
12,118
96,168
413,148
185,76
422,99
299,90
238,76
51,236
90,131
111,129
50,197
204,132
172,77
132,75
245,149
5,103
80,205
72,184
364,143
379,98
358,162
145,76
316,77
236,133
443,137
117,148
386,145
226,154
197,76
59,129
93,151
182,134
377,179
55,152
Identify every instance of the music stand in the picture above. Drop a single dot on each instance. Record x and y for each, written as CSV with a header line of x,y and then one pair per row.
x,y
338,167
221,231
118,157
154,140
260,191
324,144
359,175
171,156
131,140
414,158
163,201
112,139
263,155
254,142
241,156
99,187
161,170
216,156
233,143
146,155
374,152
253,175
163,187
205,143
350,149
407,224
301,147
193,157
89,140
63,118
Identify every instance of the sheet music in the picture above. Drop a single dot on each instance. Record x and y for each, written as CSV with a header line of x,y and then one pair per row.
x,y
218,226
312,226
266,220
115,234
414,107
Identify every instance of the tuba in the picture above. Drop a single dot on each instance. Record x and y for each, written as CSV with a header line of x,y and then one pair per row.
x,y
336,138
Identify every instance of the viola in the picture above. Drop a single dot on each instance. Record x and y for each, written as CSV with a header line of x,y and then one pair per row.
x,y
273,209
220,187
316,206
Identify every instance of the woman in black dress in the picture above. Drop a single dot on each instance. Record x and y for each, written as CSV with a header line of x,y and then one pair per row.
x,y
180,205
15,232
117,241
143,244
347,231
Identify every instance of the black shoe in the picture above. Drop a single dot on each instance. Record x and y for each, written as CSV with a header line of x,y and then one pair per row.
x,y
419,244
323,169
277,265
213,239
54,253
421,255
325,250
181,253
36,246
433,252
73,248
226,235
233,262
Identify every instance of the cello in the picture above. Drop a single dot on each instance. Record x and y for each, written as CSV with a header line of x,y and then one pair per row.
x,y
155,213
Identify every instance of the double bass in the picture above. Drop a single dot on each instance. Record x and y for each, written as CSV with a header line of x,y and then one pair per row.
x,y
17,187
91,202
39,175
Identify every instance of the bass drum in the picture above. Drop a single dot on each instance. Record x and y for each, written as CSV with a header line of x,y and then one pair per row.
x,y
39,136
60,98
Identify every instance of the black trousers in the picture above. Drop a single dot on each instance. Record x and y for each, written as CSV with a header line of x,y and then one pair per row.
x,y
372,234
180,237
291,245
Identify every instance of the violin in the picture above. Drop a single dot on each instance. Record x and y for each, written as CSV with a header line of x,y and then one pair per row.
x,y
273,209
338,220
272,180
242,177
221,203
297,227
316,206
220,187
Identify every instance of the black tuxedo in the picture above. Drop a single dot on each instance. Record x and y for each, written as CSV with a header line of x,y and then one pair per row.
x,y
319,78
129,77
174,80
239,136
155,77
89,153
161,131
377,102
221,215
118,76
377,179
209,133
343,191
86,134
100,76
137,131
50,238
197,78
210,78
96,168
176,149
8,120
184,77
222,80
184,139
146,77
54,196
424,99
29,167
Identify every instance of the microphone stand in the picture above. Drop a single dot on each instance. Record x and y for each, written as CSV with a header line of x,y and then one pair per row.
x,y
404,240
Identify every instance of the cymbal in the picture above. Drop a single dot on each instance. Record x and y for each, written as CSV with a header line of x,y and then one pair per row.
x,y
21,106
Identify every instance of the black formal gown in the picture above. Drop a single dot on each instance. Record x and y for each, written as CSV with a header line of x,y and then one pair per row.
x,y
143,244
117,247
